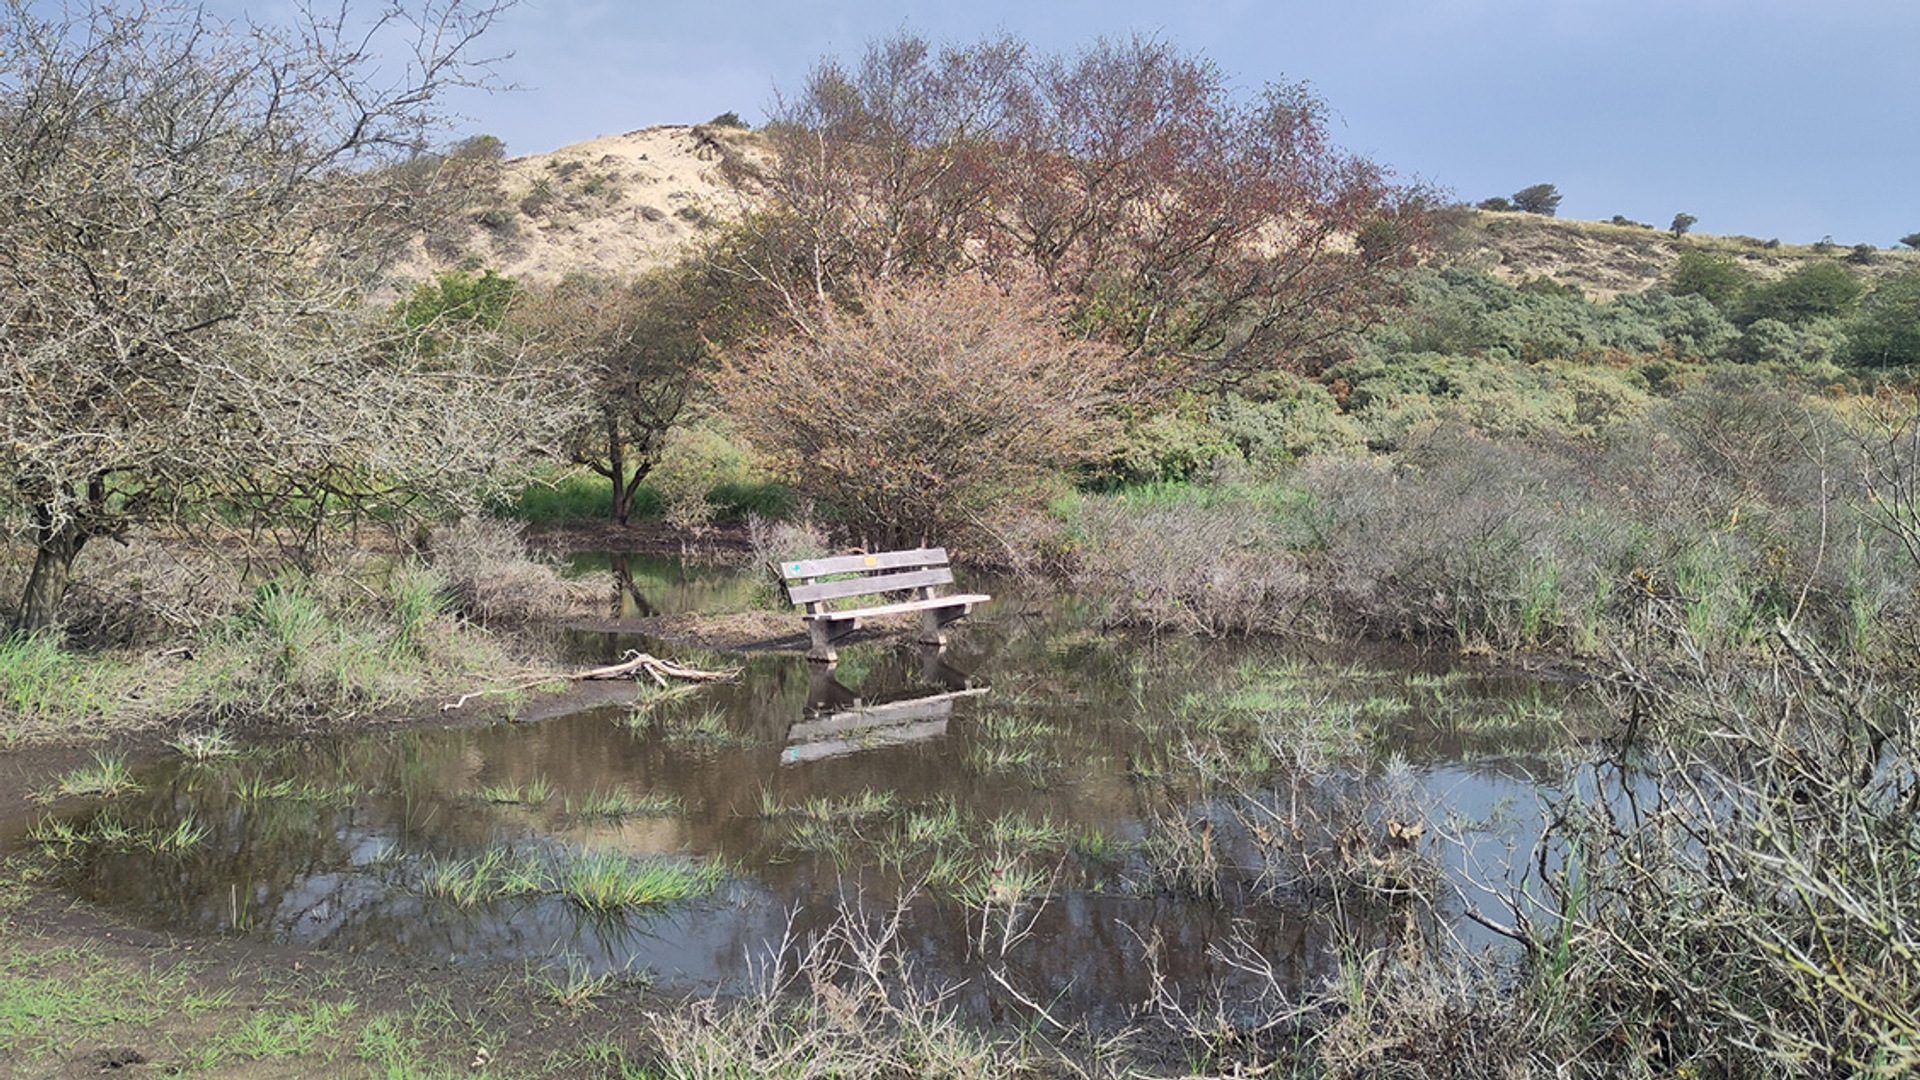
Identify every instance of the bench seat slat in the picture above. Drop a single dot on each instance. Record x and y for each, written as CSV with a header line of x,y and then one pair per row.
x,y
854,564
863,586
957,600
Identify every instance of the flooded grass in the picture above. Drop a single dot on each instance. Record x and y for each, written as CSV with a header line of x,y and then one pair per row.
x,y
106,777
204,745
1042,800
618,804
107,832
534,792
608,882
597,881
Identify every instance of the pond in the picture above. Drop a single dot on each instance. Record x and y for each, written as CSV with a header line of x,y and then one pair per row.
x,y
1043,815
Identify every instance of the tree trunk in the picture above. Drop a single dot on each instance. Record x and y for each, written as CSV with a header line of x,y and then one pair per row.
x,y
54,552
617,472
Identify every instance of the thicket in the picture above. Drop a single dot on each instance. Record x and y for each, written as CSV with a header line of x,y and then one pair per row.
x,y
937,411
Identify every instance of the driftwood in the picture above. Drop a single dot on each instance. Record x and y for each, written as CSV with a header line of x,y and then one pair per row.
x,y
635,664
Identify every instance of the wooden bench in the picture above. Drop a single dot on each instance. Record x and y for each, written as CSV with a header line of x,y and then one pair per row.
x,y
916,575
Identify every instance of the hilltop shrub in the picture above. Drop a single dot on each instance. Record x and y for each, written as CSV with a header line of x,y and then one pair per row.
x,y
1466,312
939,410
1719,281
1541,199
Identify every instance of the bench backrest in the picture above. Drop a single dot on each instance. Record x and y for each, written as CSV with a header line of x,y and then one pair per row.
x,y
881,572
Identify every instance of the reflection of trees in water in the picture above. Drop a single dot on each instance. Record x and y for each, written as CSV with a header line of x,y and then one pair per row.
x,y
629,602
336,858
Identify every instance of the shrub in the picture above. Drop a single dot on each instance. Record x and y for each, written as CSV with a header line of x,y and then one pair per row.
x,y
1773,877
1681,224
491,575
1817,290
1188,566
1174,444
1720,281
497,219
1541,199
1888,330
694,461
1499,204
940,408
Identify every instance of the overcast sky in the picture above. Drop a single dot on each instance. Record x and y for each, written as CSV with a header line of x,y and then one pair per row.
x,y
1795,119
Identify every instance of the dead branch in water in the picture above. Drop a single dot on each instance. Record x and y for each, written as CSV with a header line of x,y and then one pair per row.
x,y
635,664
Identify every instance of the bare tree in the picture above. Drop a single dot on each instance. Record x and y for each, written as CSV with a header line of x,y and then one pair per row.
x,y
1209,233
640,351
189,213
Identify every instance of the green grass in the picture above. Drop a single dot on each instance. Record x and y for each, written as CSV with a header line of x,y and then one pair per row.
x,y
49,1000
597,881
733,501
867,804
64,839
1004,744
45,688
278,1033
573,496
534,792
610,881
1017,834
704,730
106,777
466,882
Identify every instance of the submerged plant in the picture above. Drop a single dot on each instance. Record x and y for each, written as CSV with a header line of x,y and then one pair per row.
x,y
609,881
204,745
106,777
620,804
534,792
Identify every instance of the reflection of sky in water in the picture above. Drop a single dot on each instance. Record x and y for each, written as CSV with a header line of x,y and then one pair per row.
x,y
334,856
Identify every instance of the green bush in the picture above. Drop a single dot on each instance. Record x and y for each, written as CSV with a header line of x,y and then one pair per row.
x,y
1887,332
1293,421
1176,444
694,462
1719,281
1814,291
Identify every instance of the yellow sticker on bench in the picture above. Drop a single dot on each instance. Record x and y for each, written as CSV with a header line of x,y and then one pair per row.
x,y
871,561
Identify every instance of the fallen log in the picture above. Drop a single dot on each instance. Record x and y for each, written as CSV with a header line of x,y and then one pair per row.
x,y
635,665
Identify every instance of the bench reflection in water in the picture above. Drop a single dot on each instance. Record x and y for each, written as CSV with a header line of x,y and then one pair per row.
x,y
839,721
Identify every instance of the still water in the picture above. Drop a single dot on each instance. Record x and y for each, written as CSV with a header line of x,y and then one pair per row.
x,y
1056,812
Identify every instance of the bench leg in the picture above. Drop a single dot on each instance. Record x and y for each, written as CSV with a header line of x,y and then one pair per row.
x,y
825,632
933,621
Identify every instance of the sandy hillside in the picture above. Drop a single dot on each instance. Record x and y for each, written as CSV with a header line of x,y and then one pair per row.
x,y
615,205
621,204
1605,259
